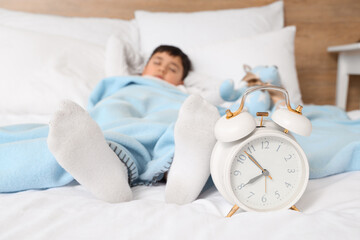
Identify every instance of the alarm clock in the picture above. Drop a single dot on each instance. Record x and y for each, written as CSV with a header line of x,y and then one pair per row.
x,y
256,164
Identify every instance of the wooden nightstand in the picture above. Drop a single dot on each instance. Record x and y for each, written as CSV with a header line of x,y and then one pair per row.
x,y
348,64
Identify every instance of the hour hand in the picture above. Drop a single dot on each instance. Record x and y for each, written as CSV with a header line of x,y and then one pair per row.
x,y
254,179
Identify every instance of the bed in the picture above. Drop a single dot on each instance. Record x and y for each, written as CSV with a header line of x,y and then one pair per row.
x,y
46,58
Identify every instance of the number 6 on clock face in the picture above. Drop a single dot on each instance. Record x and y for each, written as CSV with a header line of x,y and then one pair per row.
x,y
267,172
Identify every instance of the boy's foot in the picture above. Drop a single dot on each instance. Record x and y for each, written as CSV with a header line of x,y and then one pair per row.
x,y
194,141
79,146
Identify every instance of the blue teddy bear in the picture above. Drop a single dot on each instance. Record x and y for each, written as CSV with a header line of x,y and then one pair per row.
x,y
258,101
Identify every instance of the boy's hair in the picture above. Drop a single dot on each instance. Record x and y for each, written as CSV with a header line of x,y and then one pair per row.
x,y
175,52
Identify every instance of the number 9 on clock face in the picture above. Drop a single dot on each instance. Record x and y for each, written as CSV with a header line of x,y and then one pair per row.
x,y
267,172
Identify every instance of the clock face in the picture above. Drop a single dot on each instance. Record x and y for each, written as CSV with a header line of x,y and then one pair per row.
x,y
268,173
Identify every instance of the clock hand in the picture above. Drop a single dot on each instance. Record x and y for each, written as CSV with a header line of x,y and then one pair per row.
x,y
265,185
254,179
266,174
256,163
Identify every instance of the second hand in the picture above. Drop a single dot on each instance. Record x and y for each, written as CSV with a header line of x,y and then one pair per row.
x,y
265,185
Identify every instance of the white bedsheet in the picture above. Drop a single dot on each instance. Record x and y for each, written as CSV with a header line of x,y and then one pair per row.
x,y
330,210
11,119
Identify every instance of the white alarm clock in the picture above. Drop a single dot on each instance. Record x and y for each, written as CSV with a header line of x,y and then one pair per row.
x,y
256,164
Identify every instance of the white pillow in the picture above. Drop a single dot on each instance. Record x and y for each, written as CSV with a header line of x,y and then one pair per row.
x,y
186,30
121,58
39,70
225,60
94,30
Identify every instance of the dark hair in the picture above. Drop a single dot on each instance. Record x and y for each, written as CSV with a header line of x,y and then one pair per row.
x,y
176,52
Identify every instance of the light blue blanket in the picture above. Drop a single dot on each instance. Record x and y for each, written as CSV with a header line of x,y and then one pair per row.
x,y
334,144
134,112
139,114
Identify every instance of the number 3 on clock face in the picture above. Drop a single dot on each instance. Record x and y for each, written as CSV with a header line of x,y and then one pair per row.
x,y
268,172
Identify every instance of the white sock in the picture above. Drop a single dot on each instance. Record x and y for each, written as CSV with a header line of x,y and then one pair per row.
x,y
194,141
79,146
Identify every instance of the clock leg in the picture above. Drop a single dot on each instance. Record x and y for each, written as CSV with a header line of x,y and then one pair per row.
x,y
293,207
233,210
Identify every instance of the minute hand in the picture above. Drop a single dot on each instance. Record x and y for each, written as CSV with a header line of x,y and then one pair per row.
x,y
256,163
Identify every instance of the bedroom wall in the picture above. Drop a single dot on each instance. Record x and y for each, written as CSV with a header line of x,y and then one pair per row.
x,y
320,24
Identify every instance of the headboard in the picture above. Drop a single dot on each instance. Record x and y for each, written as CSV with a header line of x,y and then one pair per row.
x,y
320,24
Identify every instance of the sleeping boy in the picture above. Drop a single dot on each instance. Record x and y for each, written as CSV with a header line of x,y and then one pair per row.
x,y
97,167
135,130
